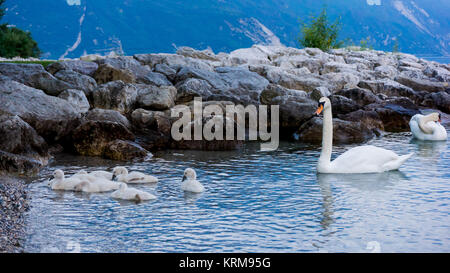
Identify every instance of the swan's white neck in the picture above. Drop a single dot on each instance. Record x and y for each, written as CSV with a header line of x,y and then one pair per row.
x,y
327,138
423,124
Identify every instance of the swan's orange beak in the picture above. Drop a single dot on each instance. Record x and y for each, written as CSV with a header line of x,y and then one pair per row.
x,y
319,109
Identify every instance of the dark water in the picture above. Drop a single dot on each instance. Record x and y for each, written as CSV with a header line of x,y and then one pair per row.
x,y
255,202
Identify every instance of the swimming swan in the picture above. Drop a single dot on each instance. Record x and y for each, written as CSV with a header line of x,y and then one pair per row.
x,y
100,174
121,174
126,193
428,127
61,183
100,185
190,183
362,159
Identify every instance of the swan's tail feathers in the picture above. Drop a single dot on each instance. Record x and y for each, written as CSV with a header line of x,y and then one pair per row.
x,y
395,164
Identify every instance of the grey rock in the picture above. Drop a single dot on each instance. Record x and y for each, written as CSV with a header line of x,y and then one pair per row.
x,y
154,97
82,67
127,64
107,73
421,84
53,118
91,138
360,96
206,54
77,80
77,98
34,75
18,137
115,95
190,88
155,78
295,106
124,150
98,114
344,132
166,70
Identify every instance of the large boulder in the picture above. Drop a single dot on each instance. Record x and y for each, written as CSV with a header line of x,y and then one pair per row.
x,y
80,66
155,78
343,105
296,106
124,150
421,84
107,73
395,117
34,75
236,84
190,88
166,70
53,118
206,54
289,79
18,164
127,64
213,144
172,60
390,88
439,73
115,95
153,120
344,132
341,80
337,67
77,98
18,137
152,128
439,100
369,118
98,114
155,98
92,137
359,95
77,80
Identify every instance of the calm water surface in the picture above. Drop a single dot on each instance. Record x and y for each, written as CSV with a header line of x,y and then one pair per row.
x,y
254,202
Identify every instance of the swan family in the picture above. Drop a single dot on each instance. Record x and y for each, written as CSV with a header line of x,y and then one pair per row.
x,y
369,158
361,159
117,180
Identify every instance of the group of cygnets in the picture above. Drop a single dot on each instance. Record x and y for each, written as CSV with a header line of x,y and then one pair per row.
x,y
117,181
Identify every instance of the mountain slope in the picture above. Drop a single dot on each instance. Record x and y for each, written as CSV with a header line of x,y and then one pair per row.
x,y
71,28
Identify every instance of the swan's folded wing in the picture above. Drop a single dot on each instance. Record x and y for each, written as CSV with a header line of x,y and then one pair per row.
x,y
363,159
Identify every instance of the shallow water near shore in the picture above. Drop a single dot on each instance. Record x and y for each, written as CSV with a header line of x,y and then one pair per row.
x,y
254,202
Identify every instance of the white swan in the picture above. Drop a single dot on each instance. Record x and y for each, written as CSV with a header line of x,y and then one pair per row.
x,y
61,183
428,127
100,174
121,174
362,159
126,193
100,185
190,182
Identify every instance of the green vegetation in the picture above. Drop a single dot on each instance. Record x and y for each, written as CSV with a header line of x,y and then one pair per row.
x,y
320,33
16,42
43,63
395,48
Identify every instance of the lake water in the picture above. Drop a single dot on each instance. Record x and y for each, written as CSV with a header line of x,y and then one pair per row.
x,y
254,202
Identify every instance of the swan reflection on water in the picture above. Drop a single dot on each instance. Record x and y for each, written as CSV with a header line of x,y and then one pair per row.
x,y
364,182
429,149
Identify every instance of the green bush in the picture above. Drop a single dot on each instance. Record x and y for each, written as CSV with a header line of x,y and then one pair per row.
x,y
16,42
320,33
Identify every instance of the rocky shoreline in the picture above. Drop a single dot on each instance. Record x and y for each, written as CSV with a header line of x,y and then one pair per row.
x,y
119,107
